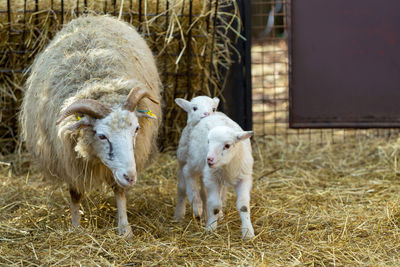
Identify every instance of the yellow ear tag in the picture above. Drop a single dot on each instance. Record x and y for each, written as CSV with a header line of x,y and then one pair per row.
x,y
149,113
79,118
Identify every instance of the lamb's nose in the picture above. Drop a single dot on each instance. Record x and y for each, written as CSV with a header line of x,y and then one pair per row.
x,y
206,113
210,159
130,178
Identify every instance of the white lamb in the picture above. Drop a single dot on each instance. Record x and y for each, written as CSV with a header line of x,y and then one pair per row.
x,y
220,151
197,109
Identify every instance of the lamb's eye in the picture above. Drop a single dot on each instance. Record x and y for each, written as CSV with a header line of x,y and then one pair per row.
x,y
194,108
137,129
227,146
102,137
214,109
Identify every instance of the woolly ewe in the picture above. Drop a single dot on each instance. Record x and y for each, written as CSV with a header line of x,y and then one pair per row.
x,y
220,151
79,115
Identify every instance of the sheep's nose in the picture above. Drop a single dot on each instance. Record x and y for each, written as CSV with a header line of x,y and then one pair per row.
x,y
206,114
130,177
210,159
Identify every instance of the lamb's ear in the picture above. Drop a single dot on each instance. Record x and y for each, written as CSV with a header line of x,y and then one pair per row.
x,y
184,104
244,135
80,124
216,102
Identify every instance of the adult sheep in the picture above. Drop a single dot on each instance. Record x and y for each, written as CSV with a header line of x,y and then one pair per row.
x,y
82,114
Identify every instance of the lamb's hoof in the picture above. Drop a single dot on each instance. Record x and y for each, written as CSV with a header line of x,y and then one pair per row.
x,y
247,234
177,219
126,232
211,227
75,228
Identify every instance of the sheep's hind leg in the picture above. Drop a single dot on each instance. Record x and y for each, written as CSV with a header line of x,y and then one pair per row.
x,y
75,203
243,205
123,226
181,197
214,203
193,191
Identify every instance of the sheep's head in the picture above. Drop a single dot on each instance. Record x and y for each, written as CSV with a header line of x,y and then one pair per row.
x,y
198,108
222,144
114,132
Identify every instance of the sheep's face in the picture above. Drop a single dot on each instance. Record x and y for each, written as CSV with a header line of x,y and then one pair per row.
x,y
222,145
198,108
114,144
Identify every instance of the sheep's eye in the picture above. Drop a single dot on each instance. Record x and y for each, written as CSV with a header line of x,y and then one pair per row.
x,y
194,108
137,129
214,109
102,137
227,146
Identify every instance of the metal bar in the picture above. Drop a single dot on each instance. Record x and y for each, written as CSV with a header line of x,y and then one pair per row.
x,y
62,12
166,49
211,66
203,84
237,91
189,47
77,8
140,12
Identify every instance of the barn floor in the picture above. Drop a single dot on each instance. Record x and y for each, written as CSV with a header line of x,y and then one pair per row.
x,y
321,204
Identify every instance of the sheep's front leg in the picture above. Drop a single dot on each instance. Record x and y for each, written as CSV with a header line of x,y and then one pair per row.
x,y
214,203
75,203
181,197
243,205
193,191
123,226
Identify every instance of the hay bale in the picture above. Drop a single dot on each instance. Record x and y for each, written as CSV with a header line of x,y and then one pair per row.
x,y
188,38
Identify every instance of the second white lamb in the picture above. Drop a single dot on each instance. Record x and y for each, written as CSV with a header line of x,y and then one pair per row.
x,y
219,151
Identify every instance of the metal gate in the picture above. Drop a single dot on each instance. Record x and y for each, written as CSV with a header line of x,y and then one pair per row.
x,y
270,77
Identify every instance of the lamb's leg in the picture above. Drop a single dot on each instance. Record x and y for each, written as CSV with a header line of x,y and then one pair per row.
x,y
181,197
75,203
243,205
192,191
123,226
203,195
214,203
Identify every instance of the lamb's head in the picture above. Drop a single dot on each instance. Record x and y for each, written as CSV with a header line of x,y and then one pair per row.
x,y
222,145
113,132
198,108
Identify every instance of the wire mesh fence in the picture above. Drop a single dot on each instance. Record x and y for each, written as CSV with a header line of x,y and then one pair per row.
x,y
270,79
188,39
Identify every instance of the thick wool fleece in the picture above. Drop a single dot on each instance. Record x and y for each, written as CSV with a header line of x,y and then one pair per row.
x,y
92,57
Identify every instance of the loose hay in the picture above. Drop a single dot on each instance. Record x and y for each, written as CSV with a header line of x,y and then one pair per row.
x,y
189,39
329,204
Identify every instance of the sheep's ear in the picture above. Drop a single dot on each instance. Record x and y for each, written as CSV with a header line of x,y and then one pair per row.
x,y
184,104
80,124
244,135
216,101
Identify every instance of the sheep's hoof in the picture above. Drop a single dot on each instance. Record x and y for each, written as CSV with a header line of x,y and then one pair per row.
x,y
178,216
177,219
247,234
75,228
126,232
211,227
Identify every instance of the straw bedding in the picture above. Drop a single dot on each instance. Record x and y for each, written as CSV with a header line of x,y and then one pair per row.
x,y
312,204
